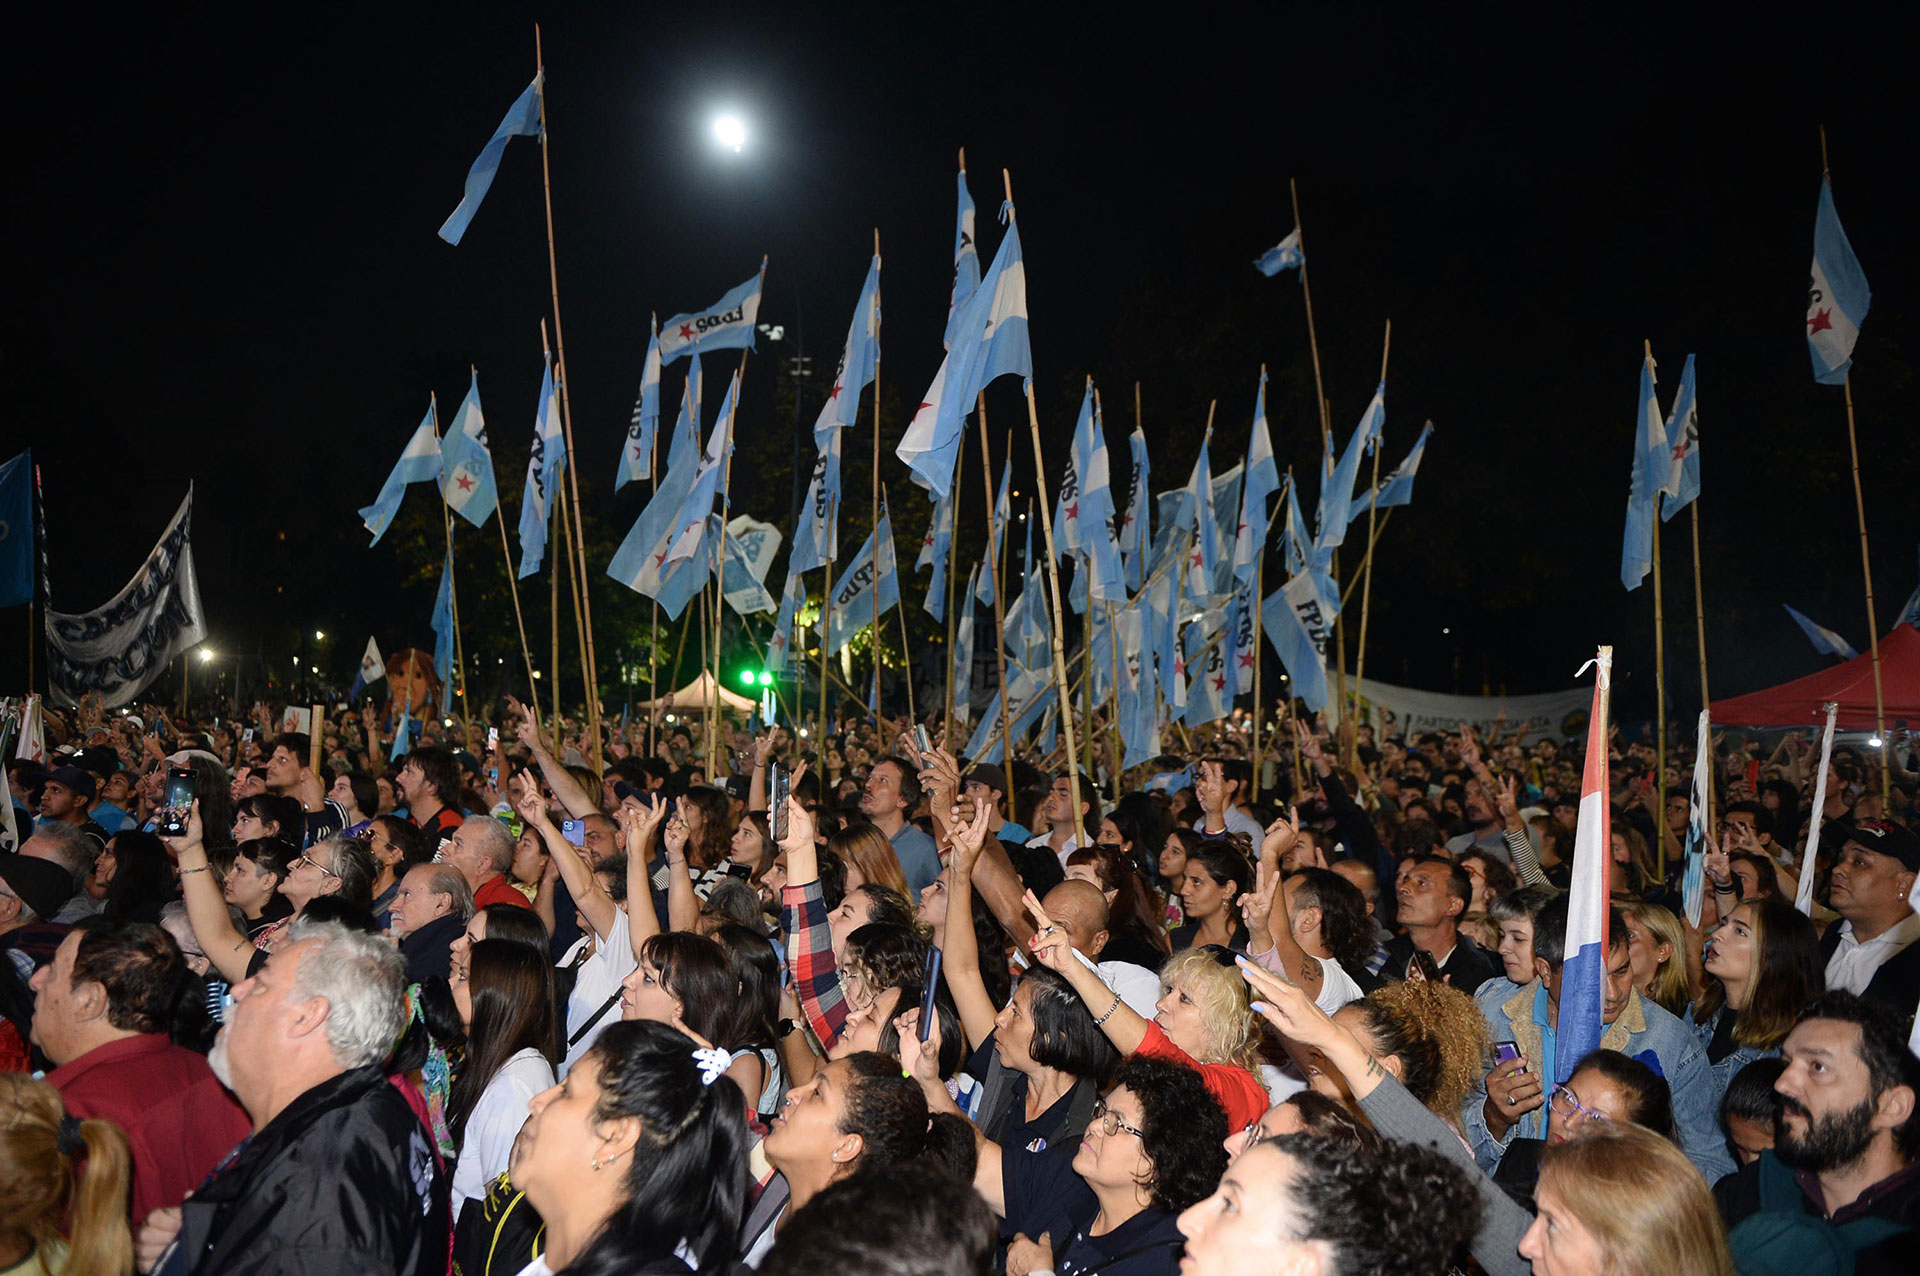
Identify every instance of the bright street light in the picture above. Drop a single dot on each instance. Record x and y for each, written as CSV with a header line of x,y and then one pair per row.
x,y
206,654
319,635
731,132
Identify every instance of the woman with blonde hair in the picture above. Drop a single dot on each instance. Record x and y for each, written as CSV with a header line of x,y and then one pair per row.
x,y
1625,1202
1657,947
869,858
60,1173
1431,1036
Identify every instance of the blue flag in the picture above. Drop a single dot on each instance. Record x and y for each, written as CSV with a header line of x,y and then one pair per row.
x,y
781,656
1683,443
402,735
641,561
636,453
1002,510
990,341
1649,456
816,540
1206,529
1139,701
543,471
1136,530
1029,694
1824,640
1397,487
1284,255
522,120
419,463
1244,652
1261,481
1209,697
443,645
689,535
854,605
1837,296
859,359
966,260
934,551
1294,540
725,325
1336,493
1296,624
685,442
963,651
466,466
16,530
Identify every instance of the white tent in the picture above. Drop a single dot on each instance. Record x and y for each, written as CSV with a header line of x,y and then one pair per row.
x,y
699,694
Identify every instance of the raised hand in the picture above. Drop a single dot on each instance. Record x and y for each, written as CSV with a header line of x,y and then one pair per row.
x,y
1281,836
969,837
1470,748
1051,946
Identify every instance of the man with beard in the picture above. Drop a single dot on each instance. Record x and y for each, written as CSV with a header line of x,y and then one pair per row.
x,y
1844,1145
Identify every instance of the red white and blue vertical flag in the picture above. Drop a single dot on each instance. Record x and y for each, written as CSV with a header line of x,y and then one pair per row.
x,y
1583,977
1837,296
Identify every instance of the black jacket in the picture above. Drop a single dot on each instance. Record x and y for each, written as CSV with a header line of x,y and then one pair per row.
x,y
345,1182
429,950
1896,985
1466,968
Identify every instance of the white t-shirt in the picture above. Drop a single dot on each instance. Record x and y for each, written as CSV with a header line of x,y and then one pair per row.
x,y
1336,986
598,980
495,1123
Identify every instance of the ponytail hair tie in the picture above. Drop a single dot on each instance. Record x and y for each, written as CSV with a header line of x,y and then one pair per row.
x,y
69,1140
713,1064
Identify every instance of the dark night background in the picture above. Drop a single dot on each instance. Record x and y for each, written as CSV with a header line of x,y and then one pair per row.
x,y
223,269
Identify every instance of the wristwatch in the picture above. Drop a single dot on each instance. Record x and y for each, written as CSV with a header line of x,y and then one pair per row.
x,y
785,1028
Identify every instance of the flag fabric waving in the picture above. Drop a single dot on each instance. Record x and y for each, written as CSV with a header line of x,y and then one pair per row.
x,y
963,651
1206,531
1583,975
16,530
966,260
780,652
419,463
1699,822
543,471
696,511
466,467
1824,640
1336,493
685,443
1803,897
933,552
1261,481
725,325
1649,455
1002,511
372,669
859,359
1296,624
854,605
636,453
1837,296
1284,255
522,120
1683,449
1397,487
1136,530
815,541
443,637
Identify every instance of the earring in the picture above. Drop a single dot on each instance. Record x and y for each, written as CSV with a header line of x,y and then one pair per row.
x,y
596,1165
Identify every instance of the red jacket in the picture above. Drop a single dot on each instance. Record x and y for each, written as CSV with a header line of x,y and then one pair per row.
x,y
179,1120
498,890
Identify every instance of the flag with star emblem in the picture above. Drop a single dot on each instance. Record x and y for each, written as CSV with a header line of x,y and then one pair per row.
x,y
636,453
854,605
690,534
1285,255
1837,296
466,467
1209,696
543,471
1649,470
858,360
1244,652
725,325
1683,449
419,463
1136,529
1206,530
966,260
1261,481
522,120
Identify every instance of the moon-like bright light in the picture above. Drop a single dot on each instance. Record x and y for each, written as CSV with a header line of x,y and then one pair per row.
x,y
731,132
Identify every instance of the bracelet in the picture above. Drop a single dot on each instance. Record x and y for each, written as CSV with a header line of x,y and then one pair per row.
x,y
1726,888
1110,1009
185,871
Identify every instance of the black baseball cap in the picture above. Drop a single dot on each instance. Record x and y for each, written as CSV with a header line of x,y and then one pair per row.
x,y
1884,837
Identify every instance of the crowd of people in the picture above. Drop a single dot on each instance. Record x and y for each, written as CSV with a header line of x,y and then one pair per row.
x,y
503,999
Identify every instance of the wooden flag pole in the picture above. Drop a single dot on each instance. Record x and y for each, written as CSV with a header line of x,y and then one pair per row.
x,y
1366,568
453,606
946,718
900,607
1053,590
585,603
1700,627
1659,681
996,562
553,569
1866,563
519,618
1306,293
569,517
720,571
874,511
653,627
826,621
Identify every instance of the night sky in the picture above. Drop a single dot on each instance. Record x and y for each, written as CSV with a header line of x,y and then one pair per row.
x,y
224,270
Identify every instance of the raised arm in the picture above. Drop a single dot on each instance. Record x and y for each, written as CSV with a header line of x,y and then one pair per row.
x,y
1272,943
566,790
921,1061
637,825
228,949
1526,859
961,957
588,895
762,759
683,906
1122,1024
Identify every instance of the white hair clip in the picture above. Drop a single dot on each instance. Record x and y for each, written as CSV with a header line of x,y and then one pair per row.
x,y
713,1064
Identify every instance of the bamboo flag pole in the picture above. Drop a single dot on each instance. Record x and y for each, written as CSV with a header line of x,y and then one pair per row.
x,y
653,627
569,516
720,571
585,606
1259,596
553,570
1053,589
453,606
513,587
1700,628
874,512
900,607
996,563
953,528
1659,681
826,617
1866,561
1366,568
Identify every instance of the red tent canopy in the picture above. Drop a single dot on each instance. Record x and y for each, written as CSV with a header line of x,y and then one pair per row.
x,y
1802,702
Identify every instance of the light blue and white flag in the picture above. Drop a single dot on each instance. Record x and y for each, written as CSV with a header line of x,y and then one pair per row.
x,y
816,540
696,512
1136,530
1824,640
1138,688
1002,510
1284,255
1294,539
443,644
641,561
372,669
744,591
966,260
1910,613
1296,624
402,735
1699,823
543,471
758,543
933,552
522,120
1336,493
963,651
466,466
1244,652
1028,695
1261,481
725,325
1205,526
1209,697
1067,504
1837,296
1397,487
866,589
1683,449
685,443
780,649
989,341
419,463
858,360
636,454
1649,471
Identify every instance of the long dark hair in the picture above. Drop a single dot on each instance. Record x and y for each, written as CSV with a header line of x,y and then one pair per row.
x,y
889,1113
756,969
512,992
142,877
687,1181
697,972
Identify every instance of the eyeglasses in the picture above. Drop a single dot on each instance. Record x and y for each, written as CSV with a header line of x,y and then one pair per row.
x,y
308,859
1110,1123
1222,956
1568,1104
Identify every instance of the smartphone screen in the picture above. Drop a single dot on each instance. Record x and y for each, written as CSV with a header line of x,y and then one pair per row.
x,y
777,784
177,803
575,831
493,739
1505,1052
926,994
921,741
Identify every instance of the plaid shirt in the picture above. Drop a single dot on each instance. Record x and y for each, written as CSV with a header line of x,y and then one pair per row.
x,y
803,913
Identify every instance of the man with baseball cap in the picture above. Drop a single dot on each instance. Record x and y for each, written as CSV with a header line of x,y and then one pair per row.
x,y
1871,951
64,799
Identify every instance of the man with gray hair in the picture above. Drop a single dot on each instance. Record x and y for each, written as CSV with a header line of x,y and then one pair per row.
x,y
339,1175
70,848
430,910
482,849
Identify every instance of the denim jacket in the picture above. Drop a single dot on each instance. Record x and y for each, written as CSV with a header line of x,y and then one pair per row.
x,y
1740,1057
